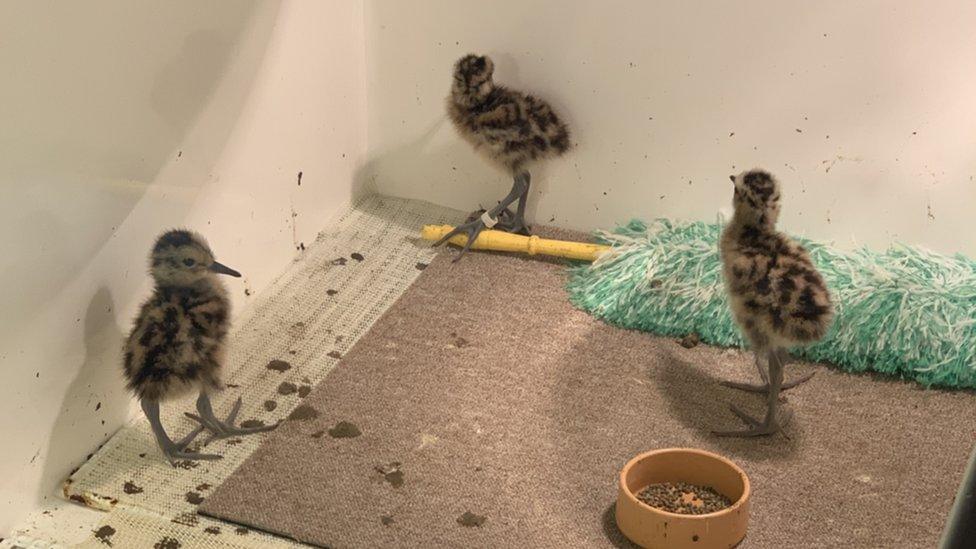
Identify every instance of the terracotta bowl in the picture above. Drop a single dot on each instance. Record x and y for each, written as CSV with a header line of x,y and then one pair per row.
x,y
653,528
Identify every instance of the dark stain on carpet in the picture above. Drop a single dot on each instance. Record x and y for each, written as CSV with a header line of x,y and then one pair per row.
x,y
104,534
303,412
270,405
130,488
344,429
194,498
279,366
287,388
391,473
471,520
168,543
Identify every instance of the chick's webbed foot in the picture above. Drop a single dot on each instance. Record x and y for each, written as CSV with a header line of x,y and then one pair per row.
x,y
770,423
222,428
470,229
177,452
174,451
495,217
756,428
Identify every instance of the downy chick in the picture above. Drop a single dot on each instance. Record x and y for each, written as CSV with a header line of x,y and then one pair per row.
x,y
177,342
511,130
777,296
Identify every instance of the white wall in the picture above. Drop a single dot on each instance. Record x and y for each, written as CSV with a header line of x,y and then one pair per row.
x,y
119,119
655,90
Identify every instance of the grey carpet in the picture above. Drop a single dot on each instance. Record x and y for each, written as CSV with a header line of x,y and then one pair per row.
x,y
498,399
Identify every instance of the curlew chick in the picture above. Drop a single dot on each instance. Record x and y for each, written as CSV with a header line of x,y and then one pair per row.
x,y
511,129
176,344
777,296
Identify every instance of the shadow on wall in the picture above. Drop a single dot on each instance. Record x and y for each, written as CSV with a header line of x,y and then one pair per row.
x,y
121,84
92,401
179,93
89,134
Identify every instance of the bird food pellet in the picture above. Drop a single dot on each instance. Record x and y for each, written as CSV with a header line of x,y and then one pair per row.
x,y
683,498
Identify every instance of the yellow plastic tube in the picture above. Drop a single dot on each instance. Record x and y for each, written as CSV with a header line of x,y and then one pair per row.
x,y
506,242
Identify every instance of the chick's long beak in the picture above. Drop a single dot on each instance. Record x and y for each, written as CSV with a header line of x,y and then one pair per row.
x,y
732,178
220,268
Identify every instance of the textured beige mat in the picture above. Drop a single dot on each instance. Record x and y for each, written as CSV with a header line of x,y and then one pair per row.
x,y
308,318
133,528
489,413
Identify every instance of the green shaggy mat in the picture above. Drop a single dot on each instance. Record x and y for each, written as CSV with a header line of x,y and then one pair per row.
x,y
906,312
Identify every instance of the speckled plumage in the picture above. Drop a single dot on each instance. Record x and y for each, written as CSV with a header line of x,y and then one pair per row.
x,y
176,343
510,128
776,293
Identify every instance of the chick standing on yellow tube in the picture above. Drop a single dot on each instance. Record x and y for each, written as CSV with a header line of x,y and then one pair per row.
x,y
512,130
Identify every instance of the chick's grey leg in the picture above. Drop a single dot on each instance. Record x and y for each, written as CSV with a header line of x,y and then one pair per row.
x,y
222,429
473,228
764,386
517,224
173,451
762,368
769,424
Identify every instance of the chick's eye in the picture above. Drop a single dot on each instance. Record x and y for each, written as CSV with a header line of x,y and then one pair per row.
x,y
189,262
